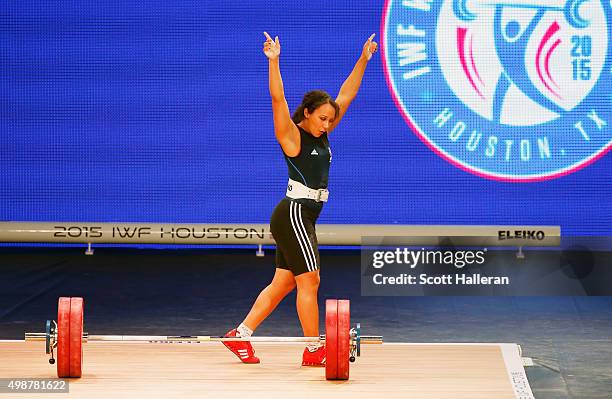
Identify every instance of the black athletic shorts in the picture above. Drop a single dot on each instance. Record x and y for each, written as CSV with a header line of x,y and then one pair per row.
x,y
293,228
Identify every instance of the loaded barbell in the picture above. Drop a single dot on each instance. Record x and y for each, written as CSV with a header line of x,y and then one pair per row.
x,y
342,342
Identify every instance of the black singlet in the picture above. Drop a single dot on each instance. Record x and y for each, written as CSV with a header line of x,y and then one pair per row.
x,y
311,166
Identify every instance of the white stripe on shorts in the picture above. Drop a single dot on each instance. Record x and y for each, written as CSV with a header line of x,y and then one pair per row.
x,y
314,258
295,223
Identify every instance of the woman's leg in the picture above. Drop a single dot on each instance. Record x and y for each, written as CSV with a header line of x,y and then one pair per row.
x,y
308,311
307,305
282,283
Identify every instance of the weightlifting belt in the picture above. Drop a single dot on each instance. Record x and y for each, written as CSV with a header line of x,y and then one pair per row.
x,y
297,190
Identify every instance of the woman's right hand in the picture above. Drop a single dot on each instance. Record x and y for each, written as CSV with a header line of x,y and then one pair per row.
x,y
271,47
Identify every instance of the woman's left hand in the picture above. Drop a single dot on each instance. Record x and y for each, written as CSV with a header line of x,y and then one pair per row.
x,y
369,48
271,47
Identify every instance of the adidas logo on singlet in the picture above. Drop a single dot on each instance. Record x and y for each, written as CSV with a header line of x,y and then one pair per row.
x,y
314,152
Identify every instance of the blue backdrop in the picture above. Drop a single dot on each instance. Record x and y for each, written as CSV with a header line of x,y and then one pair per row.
x,y
159,111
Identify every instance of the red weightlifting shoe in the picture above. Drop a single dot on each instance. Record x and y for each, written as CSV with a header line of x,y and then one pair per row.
x,y
316,358
242,349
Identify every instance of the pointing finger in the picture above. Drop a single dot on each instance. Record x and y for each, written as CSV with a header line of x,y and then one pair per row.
x,y
267,36
371,37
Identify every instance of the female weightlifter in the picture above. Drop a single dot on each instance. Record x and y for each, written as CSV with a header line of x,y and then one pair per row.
x,y
303,138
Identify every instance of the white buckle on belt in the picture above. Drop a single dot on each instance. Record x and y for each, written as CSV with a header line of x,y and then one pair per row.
x,y
297,190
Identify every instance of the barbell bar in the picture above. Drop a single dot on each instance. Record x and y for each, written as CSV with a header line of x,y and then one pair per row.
x,y
153,339
343,343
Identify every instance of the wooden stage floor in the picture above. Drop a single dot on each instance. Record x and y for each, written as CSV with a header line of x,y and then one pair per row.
x,y
208,370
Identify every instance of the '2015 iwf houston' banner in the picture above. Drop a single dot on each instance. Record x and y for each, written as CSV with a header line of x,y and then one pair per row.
x,y
510,90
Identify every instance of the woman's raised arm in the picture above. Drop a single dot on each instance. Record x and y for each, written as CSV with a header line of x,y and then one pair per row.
x,y
351,85
285,130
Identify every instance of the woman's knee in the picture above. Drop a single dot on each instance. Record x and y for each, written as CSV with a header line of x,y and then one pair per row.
x,y
283,281
308,281
284,286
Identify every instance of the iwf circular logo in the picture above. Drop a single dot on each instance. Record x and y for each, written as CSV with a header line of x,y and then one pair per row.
x,y
515,90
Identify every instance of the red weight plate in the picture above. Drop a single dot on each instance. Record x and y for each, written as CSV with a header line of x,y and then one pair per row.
x,y
344,335
63,337
76,336
331,339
